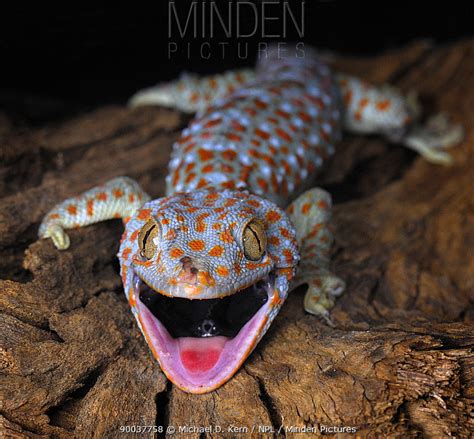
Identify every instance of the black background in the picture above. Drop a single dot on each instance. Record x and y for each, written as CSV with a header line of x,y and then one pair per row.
x,y
60,59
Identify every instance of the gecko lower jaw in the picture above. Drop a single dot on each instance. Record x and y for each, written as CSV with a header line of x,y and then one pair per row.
x,y
200,344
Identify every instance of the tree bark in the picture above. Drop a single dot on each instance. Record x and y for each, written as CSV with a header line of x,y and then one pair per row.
x,y
399,361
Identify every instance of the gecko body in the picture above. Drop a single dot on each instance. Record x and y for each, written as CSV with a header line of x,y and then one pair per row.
x,y
207,267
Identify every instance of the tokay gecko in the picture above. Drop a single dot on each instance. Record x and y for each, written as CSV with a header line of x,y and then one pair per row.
x,y
206,268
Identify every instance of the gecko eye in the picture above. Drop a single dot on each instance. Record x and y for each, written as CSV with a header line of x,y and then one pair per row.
x,y
146,239
254,240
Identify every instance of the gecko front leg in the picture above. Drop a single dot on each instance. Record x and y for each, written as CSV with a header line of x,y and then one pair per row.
x,y
118,198
310,213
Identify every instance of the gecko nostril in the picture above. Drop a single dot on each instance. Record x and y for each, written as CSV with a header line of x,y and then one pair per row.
x,y
189,272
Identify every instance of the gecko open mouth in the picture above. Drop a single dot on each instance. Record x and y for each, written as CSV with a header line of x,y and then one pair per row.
x,y
201,343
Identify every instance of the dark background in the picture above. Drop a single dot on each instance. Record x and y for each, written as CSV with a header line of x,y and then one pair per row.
x,y
58,60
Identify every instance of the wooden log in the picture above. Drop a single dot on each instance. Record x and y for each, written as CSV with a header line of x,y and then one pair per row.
x,y
398,363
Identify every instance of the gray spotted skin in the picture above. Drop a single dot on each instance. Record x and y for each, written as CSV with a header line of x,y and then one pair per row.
x,y
268,137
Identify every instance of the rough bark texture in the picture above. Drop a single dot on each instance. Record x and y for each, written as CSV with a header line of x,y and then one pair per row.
x,y
399,361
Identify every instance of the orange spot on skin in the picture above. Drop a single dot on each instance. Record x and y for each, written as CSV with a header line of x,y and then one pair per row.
x,y
217,226
190,177
272,216
175,178
200,226
117,193
228,185
226,236
363,103
101,196
227,168
205,154
213,122
304,116
347,97
283,134
285,232
216,251
165,221
72,209
204,278
201,183
260,104
305,208
197,245
274,181
235,137
322,204
170,235
189,167
222,271
358,116
318,101
237,268
237,126
54,216
176,253
189,147
230,202
229,154
254,203
90,207
262,183
126,252
144,214
383,105
282,113
263,134
255,142
222,216
273,240
212,197
208,168
239,77
134,235
288,255
131,295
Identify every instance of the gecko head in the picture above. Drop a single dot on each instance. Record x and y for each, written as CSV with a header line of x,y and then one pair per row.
x,y
206,273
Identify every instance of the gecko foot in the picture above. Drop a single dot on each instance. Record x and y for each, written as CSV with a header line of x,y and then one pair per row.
x,y
432,138
321,295
58,236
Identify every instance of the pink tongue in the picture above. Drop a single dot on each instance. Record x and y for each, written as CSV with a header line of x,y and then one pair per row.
x,y
200,354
